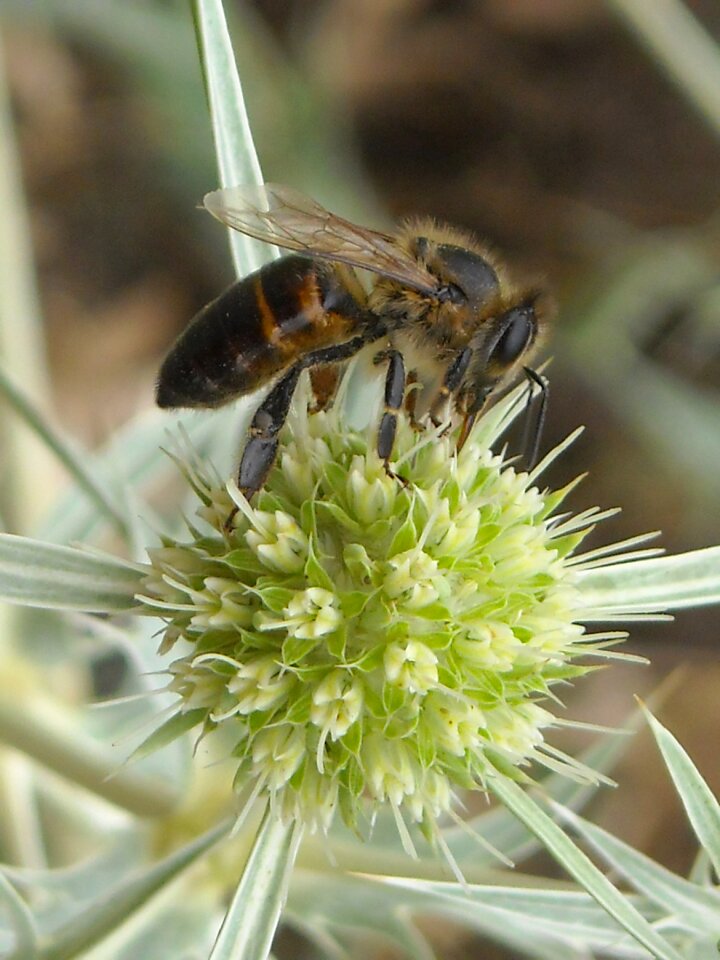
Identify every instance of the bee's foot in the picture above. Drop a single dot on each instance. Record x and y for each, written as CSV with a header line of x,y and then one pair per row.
x,y
437,423
395,476
228,525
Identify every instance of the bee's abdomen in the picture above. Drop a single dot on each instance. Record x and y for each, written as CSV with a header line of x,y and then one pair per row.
x,y
254,330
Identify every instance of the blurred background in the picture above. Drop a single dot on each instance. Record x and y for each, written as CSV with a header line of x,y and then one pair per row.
x,y
584,145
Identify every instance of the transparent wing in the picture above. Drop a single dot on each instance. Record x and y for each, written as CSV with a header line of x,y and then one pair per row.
x,y
287,218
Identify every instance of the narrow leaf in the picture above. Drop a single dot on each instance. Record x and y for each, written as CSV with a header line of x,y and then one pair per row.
x,y
531,921
75,462
701,806
235,151
682,47
179,724
120,902
533,912
22,349
249,926
580,867
38,574
507,834
661,583
134,455
696,908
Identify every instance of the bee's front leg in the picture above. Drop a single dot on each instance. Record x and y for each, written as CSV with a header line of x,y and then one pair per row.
x,y
451,383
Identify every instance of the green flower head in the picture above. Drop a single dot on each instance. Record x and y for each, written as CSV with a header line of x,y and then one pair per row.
x,y
367,638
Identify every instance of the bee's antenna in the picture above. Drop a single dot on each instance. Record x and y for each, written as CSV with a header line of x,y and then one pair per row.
x,y
534,425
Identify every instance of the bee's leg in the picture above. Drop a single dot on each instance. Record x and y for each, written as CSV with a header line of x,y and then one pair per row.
x,y
261,448
394,396
451,382
411,397
466,428
472,414
324,380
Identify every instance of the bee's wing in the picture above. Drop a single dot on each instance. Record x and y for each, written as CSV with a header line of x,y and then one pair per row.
x,y
283,216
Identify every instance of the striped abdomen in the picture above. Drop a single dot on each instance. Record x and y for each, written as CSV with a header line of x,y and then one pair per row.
x,y
256,329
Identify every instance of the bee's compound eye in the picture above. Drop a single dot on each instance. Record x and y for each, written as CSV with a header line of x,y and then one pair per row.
x,y
515,337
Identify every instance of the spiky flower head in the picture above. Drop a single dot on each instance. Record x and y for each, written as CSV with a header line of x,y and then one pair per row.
x,y
367,638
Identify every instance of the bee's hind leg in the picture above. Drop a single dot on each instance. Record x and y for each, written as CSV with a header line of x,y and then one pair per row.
x,y
263,440
394,397
261,448
324,380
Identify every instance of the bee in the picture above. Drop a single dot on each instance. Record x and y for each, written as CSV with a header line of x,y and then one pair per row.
x,y
440,308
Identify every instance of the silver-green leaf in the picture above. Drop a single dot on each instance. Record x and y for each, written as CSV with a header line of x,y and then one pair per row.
x,y
249,926
37,574
661,583
701,806
580,867
695,908
234,147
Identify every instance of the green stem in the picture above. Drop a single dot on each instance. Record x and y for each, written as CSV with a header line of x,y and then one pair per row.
x,y
43,733
21,343
250,923
23,928
21,836
682,47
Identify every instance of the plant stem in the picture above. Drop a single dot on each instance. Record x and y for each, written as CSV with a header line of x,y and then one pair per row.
x,y
43,733
682,47
20,829
249,925
29,470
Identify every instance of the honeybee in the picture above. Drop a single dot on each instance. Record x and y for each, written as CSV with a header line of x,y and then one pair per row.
x,y
441,308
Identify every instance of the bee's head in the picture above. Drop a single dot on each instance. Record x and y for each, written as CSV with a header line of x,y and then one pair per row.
x,y
498,346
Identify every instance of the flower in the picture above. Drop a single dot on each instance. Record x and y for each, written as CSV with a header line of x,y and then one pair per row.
x,y
367,636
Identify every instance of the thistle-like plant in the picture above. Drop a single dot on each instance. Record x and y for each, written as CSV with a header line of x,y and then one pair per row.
x,y
347,660
366,640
